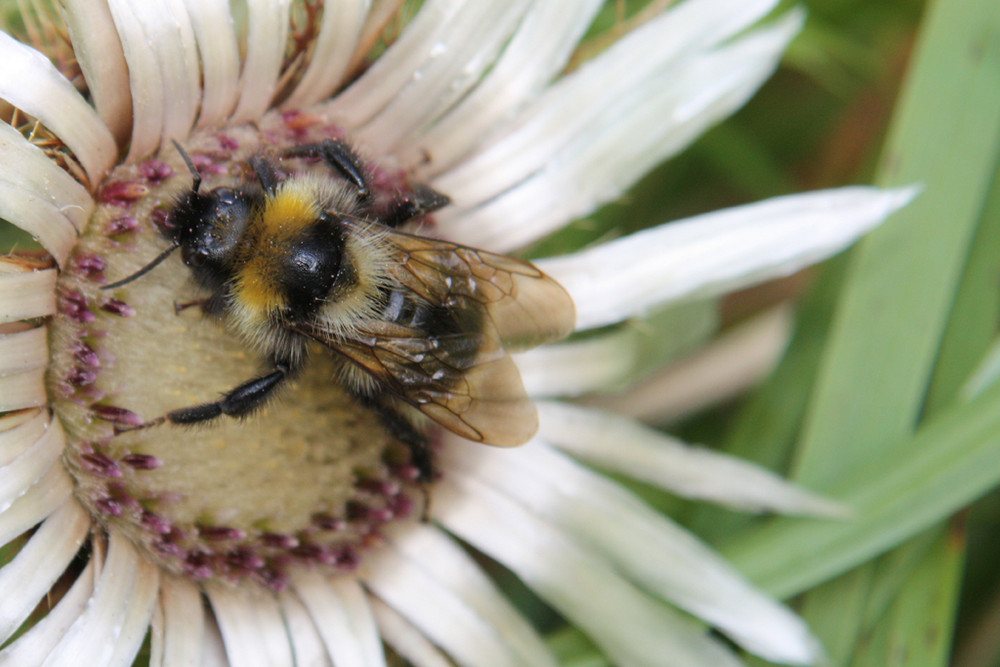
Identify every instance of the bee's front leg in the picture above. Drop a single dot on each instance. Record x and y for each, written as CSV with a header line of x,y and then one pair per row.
x,y
266,173
340,157
214,305
420,202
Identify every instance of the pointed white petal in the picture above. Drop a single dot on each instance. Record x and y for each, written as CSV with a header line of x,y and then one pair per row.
x,y
658,554
307,645
266,36
611,157
38,502
629,626
33,646
24,166
97,49
156,638
406,639
606,362
251,626
381,14
213,648
31,83
718,252
464,49
739,358
449,565
572,105
137,615
39,197
395,68
24,390
179,627
379,19
24,471
147,88
541,47
179,63
444,618
595,134
343,618
23,351
335,45
25,293
32,572
94,638
358,605
578,367
219,51
39,218
162,56
19,431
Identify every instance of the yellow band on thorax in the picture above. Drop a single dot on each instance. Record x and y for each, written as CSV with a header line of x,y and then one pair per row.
x,y
292,208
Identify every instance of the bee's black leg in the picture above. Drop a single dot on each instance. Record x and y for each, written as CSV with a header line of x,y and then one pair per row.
x,y
403,430
213,305
238,402
266,173
421,201
338,155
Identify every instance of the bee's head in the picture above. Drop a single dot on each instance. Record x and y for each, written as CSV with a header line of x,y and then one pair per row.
x,y
208,227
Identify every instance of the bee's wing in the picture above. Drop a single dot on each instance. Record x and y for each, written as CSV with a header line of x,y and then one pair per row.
x,y
527,307
465,382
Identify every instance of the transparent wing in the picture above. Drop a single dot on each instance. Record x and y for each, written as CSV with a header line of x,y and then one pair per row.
x,y
526,306
465,382
447,353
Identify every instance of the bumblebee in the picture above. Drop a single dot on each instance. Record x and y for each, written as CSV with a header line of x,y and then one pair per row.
x,y
308,257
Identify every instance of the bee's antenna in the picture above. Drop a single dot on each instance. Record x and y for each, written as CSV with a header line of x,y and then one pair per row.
x,y
190,165
146,269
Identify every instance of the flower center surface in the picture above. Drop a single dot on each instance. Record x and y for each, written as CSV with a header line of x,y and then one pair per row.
x,y
308,479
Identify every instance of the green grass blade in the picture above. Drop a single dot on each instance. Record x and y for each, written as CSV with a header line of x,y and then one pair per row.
x,y
898,296
975,316
917,630
834,610
907,320
902,279
909,487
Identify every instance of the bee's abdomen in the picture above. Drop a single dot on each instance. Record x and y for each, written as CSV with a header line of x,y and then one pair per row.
x,y
407,309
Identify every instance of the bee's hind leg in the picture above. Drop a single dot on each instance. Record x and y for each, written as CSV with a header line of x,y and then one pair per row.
x,y
405,432
237,402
